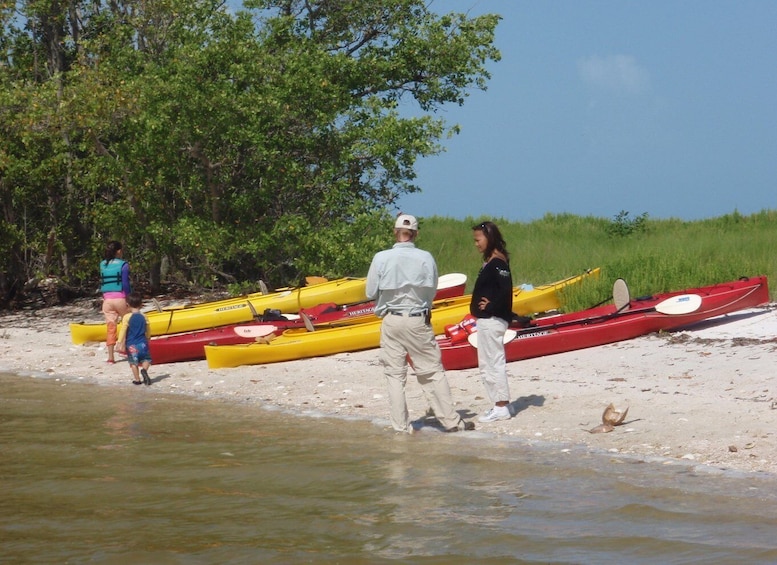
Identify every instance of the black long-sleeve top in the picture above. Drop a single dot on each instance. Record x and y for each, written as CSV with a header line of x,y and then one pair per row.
x,y
494,282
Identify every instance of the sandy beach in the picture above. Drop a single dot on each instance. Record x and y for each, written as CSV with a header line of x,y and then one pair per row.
x,y
705,396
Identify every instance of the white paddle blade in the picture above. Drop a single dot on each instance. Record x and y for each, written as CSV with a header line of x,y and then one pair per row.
x,y
252,332
620,295
680,304
451,280
508,337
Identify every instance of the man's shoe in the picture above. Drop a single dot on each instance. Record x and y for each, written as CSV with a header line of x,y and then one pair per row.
x,y
463,426
494,414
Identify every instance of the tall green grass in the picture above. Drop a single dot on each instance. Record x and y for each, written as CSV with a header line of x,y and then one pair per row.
x,y
652,256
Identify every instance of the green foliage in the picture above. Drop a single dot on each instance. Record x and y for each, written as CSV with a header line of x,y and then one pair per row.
x,y
623,226
668,255
243,288
223,149
266,144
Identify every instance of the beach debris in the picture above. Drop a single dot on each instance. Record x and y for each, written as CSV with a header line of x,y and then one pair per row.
x,y
611,417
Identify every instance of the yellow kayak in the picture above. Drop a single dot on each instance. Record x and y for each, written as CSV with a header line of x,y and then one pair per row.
x,y
301,344
236,310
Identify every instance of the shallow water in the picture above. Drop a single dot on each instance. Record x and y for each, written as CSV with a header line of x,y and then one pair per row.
x,y
126,475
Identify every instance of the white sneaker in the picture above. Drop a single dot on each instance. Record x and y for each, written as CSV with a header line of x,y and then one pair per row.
x,y
494,414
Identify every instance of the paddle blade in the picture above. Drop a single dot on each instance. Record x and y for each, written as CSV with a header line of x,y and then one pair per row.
x,y
307,321
508,337
450,280
259,330
620,295
680,304
253,310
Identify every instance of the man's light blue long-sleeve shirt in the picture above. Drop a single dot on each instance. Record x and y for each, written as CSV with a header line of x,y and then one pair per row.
x,y
402,279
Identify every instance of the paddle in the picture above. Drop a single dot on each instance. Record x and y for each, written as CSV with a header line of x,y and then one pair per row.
x,y
254,313
680,304
255,331
620,295
306,320
621,298
673,306
508,337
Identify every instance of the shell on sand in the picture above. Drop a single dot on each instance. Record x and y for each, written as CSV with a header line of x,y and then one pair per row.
x,y
613,416
610,418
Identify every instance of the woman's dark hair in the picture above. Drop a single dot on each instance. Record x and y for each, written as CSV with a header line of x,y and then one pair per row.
x,y
111,250
495,240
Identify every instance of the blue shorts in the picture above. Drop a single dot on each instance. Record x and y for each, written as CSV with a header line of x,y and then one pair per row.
x,y
138,353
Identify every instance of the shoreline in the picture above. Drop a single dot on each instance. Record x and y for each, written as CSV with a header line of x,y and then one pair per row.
x,y
704,396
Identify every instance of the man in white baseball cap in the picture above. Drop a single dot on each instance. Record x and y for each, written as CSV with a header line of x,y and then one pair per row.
x,y
406,221
403,281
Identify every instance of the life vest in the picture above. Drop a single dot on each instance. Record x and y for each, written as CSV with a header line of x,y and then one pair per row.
x,y
110,272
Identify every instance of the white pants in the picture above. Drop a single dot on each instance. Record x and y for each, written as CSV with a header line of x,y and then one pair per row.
x,y
491,358
402,337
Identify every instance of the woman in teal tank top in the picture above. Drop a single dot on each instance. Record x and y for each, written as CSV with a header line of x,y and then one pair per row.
x,y
115,286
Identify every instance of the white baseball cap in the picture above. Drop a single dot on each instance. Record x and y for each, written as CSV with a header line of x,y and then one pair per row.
x,y
406,221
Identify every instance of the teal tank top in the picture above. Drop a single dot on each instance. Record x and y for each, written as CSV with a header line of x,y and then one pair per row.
x,y
110,274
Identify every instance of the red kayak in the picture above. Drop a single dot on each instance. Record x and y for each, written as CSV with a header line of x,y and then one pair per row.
x,y
610,323
189,346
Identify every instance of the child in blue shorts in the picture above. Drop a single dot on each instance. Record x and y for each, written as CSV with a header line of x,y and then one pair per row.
x,y
135,340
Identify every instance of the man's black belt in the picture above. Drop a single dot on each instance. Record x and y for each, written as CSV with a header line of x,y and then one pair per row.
x,y
412,315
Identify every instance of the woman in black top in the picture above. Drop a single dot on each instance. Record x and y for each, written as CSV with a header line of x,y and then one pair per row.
x,y
492,305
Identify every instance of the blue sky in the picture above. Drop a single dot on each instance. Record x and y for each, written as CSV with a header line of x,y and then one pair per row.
x,y
659,107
